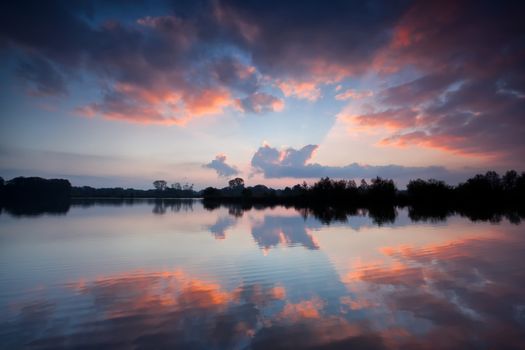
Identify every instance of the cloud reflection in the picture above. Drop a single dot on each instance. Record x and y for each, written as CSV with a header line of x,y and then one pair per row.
x,y
282,230
463,294
460,293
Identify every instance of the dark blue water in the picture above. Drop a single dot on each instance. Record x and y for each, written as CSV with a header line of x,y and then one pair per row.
x,y
146,275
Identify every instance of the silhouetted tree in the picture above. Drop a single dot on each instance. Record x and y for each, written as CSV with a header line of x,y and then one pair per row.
x,y
300,189
431,192
36,188
363,187
247,193
480,188
382,191
160,185
236,183
509,181
335,190
35,195
210,192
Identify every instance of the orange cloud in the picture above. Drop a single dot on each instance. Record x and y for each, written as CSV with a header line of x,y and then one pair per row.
x,y
391,119
353,94
301,90
455,144
161,106
208,102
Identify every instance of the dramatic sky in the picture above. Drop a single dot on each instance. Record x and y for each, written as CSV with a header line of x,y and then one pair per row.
x,y
120,93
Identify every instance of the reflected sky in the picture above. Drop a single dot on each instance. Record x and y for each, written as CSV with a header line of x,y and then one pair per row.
x,y
150,274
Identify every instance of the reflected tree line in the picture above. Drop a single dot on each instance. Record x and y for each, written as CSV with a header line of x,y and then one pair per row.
x,y
160,205
379,215
485,197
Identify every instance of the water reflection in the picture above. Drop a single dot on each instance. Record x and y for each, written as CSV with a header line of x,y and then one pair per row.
x,y
325,214
468,293
380,215
218,229
290,230
161,206
36,208
123,276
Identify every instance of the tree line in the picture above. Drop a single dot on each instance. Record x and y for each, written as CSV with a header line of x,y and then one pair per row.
x,y
160,190
488,189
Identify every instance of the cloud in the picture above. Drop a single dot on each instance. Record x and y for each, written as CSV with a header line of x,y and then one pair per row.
x,y
469,95
305,90
420,281
219,228
192,51
294,163
353,94
220,166
205,58
394,118
310,40
279,230
155,69
231,72
260,103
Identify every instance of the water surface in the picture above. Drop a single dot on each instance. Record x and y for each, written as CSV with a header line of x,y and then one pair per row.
x,y
177,274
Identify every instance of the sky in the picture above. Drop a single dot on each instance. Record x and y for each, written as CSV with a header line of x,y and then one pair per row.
x,y
122,93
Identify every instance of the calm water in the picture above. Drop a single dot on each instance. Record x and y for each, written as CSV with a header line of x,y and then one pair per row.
x,y
177,275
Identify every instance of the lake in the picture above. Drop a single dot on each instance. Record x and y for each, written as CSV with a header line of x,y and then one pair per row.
x,y
180,274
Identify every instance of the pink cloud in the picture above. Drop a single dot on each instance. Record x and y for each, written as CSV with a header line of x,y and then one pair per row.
x,y
162,106
353,94
305,90
208,102
468,96
393,119
448,143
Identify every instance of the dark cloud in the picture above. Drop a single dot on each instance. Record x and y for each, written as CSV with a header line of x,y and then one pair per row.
x,y
291,162
183,59
470,96
195,47
220,166
296,39
417,91
151,68
260,102
233,73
